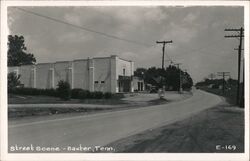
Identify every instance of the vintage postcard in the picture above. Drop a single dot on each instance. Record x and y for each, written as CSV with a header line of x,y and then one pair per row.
x,y
122,80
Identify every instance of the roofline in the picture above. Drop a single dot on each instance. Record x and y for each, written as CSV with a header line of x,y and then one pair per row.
x,y
76,60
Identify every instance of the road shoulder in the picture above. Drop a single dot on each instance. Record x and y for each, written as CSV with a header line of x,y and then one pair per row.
x,y
219,129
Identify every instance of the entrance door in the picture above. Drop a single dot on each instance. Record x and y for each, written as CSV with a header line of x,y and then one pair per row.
x,y
124,83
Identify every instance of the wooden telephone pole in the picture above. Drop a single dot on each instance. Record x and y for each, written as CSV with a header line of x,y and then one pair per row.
x,y
163,49
180,82
223,74
240,36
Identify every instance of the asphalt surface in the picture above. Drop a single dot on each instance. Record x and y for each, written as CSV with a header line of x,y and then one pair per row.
x,y
104,128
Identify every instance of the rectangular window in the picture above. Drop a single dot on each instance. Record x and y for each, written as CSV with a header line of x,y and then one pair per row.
x,y
96,82
102,81
124,72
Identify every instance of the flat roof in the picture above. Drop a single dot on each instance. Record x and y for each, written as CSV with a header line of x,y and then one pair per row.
x,y
107,57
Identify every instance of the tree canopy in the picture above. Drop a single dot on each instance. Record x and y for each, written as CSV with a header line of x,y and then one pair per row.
x,y
169,77
17,52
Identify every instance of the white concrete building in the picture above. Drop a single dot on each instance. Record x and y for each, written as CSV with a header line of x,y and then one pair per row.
x,y
106,74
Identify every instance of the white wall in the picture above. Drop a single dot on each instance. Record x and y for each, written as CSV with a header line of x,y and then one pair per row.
x,y
80,74
27,75
44,76
124,64
102,72
62,71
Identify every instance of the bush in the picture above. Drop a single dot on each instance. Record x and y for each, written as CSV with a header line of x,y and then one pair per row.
x,y
83,94
107,95
33,91
75,93
50,92
63,90
97,95
13,80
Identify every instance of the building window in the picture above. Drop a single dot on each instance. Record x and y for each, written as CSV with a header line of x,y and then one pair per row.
x,y
96,82
102,81
124,72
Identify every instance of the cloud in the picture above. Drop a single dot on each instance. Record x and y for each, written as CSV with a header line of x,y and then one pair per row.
x,y
190,28
179,34
72,18
74,37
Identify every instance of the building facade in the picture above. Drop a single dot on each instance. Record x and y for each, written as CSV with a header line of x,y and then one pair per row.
x,y
105,74
138,84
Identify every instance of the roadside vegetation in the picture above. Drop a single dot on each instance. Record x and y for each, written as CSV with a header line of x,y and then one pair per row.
x,y
62,91
215,86
168,78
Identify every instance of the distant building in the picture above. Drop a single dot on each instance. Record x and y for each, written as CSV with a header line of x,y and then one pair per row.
x,y
138,84
105,74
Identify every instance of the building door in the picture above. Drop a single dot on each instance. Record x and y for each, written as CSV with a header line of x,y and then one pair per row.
x,y
124,83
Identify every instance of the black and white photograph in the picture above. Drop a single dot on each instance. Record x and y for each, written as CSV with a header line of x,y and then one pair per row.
x,y
126,79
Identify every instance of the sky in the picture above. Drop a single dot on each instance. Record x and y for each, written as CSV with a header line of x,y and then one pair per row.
x,y
197,34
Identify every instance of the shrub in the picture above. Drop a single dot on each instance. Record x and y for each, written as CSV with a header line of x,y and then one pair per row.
x,y
50,92
63,90
83,94
107,95
75,93
97,95
13,80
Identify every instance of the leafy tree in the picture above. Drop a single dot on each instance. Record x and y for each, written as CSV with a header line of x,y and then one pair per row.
x,y
17,52
172,77
140,72
169,77
187,81
13,80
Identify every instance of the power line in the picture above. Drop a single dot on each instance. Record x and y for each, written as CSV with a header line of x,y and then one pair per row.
x,y
84,28
240,36
163,49
223,74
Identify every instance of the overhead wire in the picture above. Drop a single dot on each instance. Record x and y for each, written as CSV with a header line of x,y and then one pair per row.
x,y
105,34
84,28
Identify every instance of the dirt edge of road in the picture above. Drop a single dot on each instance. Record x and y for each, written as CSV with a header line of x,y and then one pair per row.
x,y
219,129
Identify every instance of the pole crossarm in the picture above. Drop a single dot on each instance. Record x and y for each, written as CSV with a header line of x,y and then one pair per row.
x,y
239,36
233,29
237,49
223,74
163,49
233,36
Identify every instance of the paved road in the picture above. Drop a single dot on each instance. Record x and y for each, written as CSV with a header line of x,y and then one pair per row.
x,y
103,128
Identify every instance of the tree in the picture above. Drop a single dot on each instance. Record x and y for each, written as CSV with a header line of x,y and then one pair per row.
x,y
187,81
63,90
13,80
140,72
169,77
17,52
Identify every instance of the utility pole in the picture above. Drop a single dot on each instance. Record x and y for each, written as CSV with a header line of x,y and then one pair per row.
x,y
211,76
223,74
180,82
240,36
241,102
163,49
